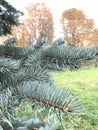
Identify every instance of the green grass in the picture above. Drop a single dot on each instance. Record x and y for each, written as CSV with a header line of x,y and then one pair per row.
x,y
84,84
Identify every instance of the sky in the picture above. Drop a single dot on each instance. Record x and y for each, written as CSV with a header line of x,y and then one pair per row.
x,y
89,7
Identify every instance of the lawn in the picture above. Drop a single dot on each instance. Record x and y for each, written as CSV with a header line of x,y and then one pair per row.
x,y
84,84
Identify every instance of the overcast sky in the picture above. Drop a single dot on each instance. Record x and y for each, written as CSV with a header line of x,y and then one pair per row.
x,y
89,7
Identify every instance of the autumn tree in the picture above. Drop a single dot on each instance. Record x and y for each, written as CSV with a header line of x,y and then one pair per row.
x,y
77,28
38,24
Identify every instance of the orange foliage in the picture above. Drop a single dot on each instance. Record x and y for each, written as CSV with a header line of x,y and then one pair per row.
x,y
78,29
38,24
21,33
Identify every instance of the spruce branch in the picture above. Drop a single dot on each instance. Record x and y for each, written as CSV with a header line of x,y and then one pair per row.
x,y
26,72
61,57
50,96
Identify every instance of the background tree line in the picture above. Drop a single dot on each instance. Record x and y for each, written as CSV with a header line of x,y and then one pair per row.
x,y
77,28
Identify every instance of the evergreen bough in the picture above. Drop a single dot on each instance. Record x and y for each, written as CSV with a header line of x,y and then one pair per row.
x,y
25,79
